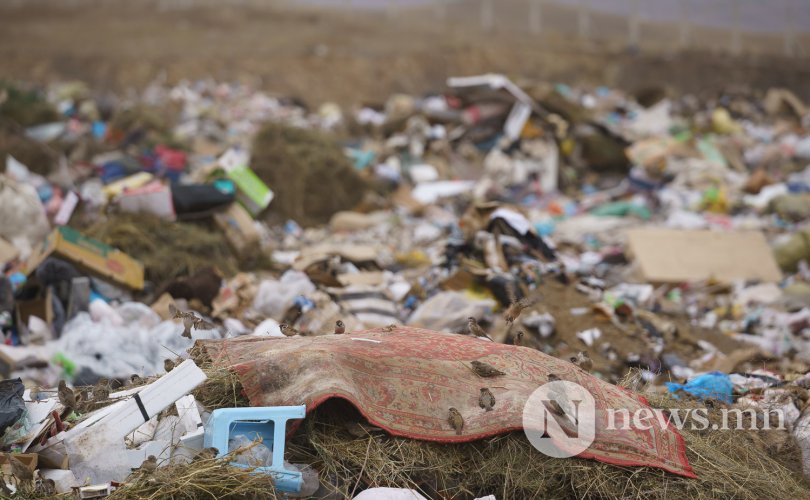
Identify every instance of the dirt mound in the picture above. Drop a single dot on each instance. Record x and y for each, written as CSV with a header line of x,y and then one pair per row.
x,y
311,177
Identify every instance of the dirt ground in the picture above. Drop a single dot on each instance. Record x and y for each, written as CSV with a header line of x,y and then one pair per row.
x,y
323,55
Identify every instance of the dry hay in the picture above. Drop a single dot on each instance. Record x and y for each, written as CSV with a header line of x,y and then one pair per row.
x,y
167,250
222,388
308,172
202,479
729,464
38,157
25,107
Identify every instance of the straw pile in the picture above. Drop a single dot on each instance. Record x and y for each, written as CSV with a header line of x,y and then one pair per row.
x,y
729,465
167,250
202,479
315,174
738,464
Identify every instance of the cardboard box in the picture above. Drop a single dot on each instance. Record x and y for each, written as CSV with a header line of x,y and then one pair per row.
x,y
90,255
675,256
239,229
27,459
40,306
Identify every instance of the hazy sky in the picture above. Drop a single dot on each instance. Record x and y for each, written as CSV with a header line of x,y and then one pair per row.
x,y
755,15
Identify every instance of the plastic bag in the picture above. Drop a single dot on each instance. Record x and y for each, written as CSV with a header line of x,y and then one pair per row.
x,y
255,454
12,405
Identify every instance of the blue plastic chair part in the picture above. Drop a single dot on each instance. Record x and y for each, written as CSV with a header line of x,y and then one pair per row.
x,y
269,423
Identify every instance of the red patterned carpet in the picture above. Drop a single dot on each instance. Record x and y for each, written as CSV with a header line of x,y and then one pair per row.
x,y
404,381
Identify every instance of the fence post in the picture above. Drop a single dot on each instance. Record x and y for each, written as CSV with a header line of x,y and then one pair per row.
x,y
535,16
440,10
684,29
736,36
487,15
583,20
789,42
633,20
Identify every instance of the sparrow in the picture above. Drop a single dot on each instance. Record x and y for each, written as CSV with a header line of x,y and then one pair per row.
x,y
475,329
517,307
19,470
66,395
135,380
4,489
455,420
206,454
583,361
149,465
190,320
168,365
518,340
486,400
46,487
484,370
339,327
101,390
552,404
287,330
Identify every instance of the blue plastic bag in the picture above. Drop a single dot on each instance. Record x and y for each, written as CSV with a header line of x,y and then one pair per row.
x,y
711,385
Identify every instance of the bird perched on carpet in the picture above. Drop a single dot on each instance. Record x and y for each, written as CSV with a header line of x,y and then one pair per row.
x,y
486,399
206,454
552,404
287,330
475,329
168,365
66,395
484,370
339,327
19,470
583,361
190,320
455,420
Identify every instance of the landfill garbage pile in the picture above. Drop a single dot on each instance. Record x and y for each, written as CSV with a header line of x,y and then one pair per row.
x,y
653,241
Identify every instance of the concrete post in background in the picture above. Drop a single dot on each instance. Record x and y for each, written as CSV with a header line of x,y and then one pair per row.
x,y
684,28
583,20
789,37
633,23
440,9
487,15
536,16
736,34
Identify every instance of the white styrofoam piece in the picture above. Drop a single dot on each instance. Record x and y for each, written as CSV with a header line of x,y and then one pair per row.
x,y
190,444
170,428
188,413
142,434
63,479
90,451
